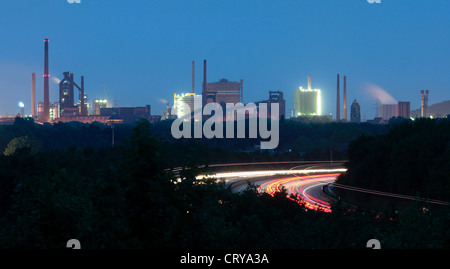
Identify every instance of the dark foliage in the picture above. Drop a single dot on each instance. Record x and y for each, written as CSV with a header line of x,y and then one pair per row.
x,y
413,158
128,197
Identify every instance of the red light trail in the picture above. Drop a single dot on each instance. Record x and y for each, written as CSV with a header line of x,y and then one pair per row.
x,y
302,187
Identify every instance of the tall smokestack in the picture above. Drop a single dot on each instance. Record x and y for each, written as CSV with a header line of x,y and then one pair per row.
x,y
168,111
204,88
421,103
46,112
82,110
242,91
309,82
193,77
344,116
33,95
338,103
425,104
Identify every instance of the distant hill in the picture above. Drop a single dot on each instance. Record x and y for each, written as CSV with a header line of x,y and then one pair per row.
x,y
436,110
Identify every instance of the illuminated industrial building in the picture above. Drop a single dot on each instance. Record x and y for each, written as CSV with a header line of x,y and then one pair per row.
x,y
307,102
190,99
98,103
54,110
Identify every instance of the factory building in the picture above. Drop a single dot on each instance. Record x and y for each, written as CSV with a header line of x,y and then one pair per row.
x,y
54,110
224,91
83,119
401,109
7,120
66,88
404,109
275,97
69,108
190,99
221,92
66,97
98,103
307,102
388,111
130,114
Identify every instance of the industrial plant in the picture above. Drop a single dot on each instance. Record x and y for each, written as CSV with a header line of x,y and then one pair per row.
x,y
69,108
73,103
307,102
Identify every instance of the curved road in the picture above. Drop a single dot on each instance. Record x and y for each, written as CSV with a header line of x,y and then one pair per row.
x,y
304,182
308,189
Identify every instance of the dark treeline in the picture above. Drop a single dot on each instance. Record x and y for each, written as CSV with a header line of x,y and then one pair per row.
x,y
413,158
297,141
124,197
60,135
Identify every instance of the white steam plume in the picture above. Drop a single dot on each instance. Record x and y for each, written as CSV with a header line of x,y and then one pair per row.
x,y
380,94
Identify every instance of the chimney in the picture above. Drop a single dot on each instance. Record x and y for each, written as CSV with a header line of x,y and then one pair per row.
x,y
204,88
338,104
425,104
33,95
309,82
193,77
344,116
46,110
421,103
82,110
168,111
242,91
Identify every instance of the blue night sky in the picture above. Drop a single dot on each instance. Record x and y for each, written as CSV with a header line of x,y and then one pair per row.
x,y
143,50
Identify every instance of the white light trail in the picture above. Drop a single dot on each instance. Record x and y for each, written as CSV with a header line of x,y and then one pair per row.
x,y
270,173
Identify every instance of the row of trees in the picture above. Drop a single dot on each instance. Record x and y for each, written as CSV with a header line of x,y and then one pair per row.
x,y
25,131
413,158
308,141
127,197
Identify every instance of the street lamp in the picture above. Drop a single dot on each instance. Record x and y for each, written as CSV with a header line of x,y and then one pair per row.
x,y
114,119
21,105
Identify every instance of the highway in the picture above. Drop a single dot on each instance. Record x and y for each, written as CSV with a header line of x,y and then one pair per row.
x,y
309,188
304,181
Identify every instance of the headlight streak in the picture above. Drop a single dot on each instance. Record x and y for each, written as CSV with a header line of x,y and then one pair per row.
x,y
300,183
299,186
270,173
